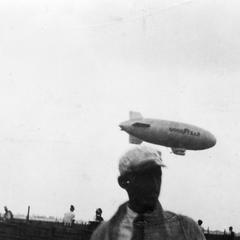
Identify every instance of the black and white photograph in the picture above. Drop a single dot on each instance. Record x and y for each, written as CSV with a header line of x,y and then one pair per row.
x,y
119,119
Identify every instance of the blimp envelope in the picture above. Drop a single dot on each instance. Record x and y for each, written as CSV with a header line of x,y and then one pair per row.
x,y
178,136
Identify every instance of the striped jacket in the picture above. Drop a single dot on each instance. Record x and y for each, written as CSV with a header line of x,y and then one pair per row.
x,y
158,225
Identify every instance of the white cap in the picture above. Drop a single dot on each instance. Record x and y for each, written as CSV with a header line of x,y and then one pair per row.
x,y
139,156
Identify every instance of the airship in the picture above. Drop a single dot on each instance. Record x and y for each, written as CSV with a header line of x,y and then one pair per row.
x,y
175,135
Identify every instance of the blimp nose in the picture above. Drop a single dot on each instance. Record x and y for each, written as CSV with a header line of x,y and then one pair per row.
x,y
212,140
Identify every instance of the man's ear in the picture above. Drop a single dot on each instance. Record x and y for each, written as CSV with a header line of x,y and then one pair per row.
x,y
123,182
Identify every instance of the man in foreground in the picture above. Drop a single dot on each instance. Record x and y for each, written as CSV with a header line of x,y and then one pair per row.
x,y
142,217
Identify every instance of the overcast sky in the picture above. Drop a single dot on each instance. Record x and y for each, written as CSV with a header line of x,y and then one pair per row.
x,y
72,70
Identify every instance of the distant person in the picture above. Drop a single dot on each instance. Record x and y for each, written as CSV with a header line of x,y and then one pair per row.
x,y
200,222
231,235
142,216
7,215
69,217
98,217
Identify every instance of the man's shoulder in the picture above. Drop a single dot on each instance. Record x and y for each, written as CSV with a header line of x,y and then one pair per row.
x,y
188,221
101,231
169,215
191,227
185,219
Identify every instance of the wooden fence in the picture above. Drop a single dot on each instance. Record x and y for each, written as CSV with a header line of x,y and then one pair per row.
x,y
40,230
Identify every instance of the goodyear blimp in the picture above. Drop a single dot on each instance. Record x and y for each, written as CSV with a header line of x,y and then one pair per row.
x,y
178,136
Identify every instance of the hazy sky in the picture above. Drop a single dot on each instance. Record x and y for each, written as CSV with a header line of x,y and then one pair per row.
x,y
71,71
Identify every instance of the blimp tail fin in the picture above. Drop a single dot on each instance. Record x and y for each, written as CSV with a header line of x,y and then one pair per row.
x,y
134,140
135,115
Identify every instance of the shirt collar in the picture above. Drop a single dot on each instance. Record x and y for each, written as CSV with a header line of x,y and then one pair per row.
x,y
130,213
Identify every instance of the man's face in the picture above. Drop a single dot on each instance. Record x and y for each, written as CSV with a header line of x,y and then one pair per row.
x,y
144,189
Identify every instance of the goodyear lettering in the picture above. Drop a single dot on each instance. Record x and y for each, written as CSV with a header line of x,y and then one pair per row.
x,y
185,131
